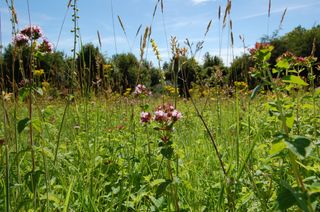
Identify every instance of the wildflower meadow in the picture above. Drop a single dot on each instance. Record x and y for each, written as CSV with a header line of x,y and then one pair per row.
x,y
140,131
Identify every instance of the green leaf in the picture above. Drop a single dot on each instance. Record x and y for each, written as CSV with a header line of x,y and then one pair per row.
x,y
157,202
51,197
32,179
317,92
162,187
66,203
39,91
300,146
36,124
314,188
287,197
290,121
157,182
275,71
283,64
23,124
167,152
294,80
278,147
23,93
255,91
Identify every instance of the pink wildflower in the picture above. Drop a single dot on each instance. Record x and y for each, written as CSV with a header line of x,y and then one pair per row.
x,y
167,113
20,39
142,90
176,115
33,32
301,59
160,116
145,117
46,46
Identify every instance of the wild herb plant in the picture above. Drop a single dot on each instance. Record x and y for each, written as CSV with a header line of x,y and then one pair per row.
x,y
291,145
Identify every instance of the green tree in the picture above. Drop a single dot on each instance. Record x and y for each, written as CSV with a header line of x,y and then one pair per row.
x,y
126,68
90,67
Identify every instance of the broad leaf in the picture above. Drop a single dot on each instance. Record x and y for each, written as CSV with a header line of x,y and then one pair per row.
x,y
294,80
162,187
314,188
23,124
167,152
290,121
300,146
278,147
287,197
283,64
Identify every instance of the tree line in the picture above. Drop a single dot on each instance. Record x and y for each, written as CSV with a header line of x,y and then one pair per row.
x,y
92,71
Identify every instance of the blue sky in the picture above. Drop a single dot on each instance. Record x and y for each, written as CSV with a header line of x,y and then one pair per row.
x,y
182,18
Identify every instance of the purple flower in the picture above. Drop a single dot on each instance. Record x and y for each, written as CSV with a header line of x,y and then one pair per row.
x,y
167,113
145,117
301,59
141,90
176,115
20,39
33,32
160,116
46,46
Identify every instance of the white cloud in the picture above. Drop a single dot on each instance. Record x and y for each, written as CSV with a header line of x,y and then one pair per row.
x,y
200,1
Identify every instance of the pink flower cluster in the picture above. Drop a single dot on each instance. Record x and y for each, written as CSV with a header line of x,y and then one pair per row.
x,y
164,114
33,33
20,39
46,46
295,60
145,117
142,90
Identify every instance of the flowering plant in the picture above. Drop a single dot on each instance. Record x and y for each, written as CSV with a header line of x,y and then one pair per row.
x,y
33,33
32,37
165,116
141,90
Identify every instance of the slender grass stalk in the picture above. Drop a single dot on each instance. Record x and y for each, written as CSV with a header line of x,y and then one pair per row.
x,y
222,166
60,131
237,131
174,189
7,178
75,31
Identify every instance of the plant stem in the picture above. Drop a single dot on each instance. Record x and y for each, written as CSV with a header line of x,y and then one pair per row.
x,y
7,179
174,189
60,130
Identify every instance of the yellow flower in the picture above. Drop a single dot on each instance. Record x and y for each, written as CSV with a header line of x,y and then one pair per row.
x,y
45,85
128,91
241,85
6,96
155,49
107,67
38,72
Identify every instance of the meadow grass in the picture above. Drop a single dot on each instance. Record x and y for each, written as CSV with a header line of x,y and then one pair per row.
x,y
104,164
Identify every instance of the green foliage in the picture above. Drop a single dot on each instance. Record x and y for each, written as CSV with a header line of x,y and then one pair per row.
x,y
23,124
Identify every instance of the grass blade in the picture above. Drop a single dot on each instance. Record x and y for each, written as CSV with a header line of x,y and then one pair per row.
x,y
66,203
208,28
269,8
